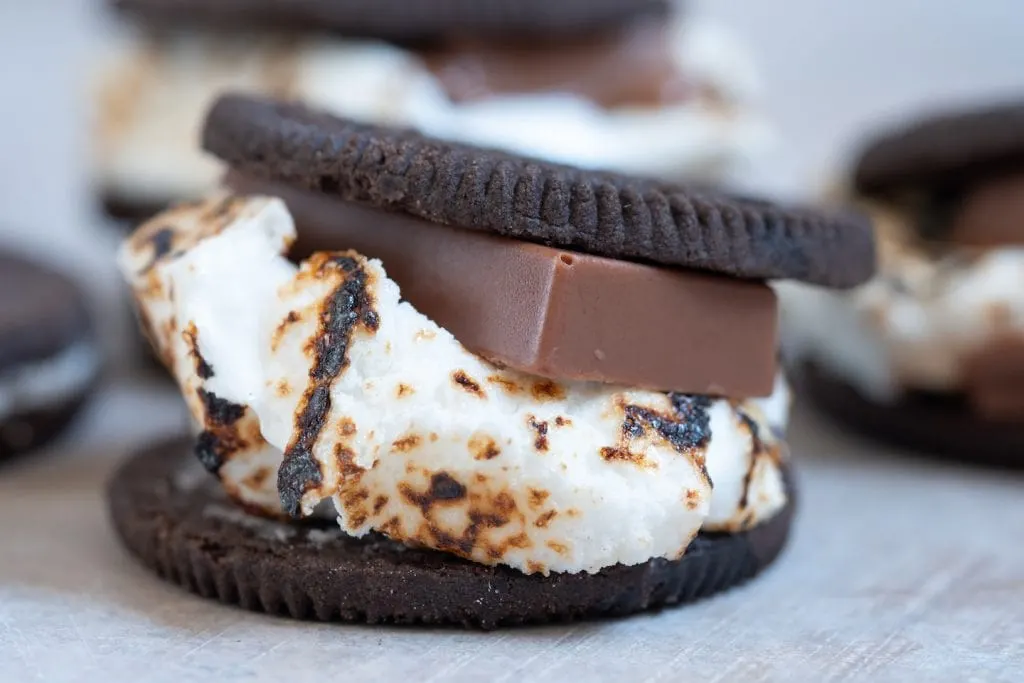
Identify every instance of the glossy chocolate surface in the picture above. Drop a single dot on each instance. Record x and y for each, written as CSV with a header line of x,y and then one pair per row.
x,y
556,313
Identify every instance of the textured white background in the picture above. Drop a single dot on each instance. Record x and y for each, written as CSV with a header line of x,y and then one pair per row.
x,y
900,570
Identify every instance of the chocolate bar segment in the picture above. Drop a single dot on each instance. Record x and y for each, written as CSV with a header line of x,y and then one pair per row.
x,y
991,214
994,380
556,313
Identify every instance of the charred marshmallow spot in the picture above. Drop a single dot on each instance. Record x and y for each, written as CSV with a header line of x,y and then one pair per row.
x,y
544,519
463,380
751,489
509,386
686,429
541,429
468,522
220,438
348,307
259,477
282,328
161,242
483,447
158,262
546,390
537,497
407,443
180,228
443,488
203,369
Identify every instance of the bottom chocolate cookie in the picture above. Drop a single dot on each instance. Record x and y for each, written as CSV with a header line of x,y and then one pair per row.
x,y
27,431
173,517
932,424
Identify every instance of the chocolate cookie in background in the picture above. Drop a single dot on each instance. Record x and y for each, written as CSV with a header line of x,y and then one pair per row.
x,y
930,354
632,85
49,357
398,429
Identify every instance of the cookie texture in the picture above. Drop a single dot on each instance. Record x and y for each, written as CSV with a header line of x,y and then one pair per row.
x,y
28,430
48,354
41,312
400,19
930,424
603,214
177,522
946,151
128,214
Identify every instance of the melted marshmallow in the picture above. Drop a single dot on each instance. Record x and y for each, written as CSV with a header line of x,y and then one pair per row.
x,y
410,434
912,326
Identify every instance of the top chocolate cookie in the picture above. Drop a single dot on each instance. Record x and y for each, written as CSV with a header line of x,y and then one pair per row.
x,y
400,19
948,150
603,214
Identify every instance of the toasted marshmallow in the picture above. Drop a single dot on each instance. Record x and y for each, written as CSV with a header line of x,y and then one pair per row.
x,y
917,323
229,439
361,399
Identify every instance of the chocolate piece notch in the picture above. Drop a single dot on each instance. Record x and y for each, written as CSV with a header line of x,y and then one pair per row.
x,y
552,312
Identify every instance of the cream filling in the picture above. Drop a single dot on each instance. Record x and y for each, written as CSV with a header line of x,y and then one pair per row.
x,y
316,383
152,98
915,323
49,382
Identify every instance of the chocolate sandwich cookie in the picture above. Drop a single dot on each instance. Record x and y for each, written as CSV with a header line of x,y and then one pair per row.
x,y
632,85
400,20
949,150
179,523
49,359
938,424
929,354
603,214
490,370
629,85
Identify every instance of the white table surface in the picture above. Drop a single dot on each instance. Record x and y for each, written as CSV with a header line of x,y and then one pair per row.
x,y
899,570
